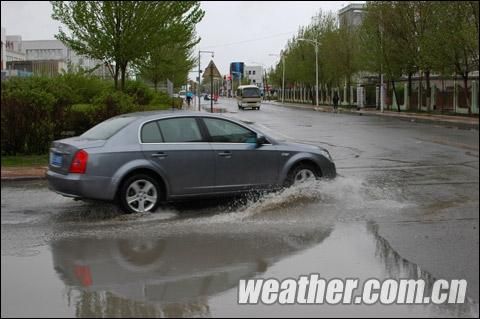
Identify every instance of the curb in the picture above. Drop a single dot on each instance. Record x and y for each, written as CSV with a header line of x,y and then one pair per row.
x,y
21,178
461,125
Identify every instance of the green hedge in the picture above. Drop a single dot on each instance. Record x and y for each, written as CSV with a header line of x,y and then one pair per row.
x,y
37,110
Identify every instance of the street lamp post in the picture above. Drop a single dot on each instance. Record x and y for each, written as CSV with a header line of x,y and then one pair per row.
x,y
316,65
283,78
200,71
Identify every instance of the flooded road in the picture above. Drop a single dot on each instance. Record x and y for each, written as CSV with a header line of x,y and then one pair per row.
x,y
401,208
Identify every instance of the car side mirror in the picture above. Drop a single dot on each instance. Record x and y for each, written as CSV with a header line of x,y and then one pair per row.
x,y
261,140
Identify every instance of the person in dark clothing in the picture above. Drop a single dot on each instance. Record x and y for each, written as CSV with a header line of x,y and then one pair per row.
x,y
335,101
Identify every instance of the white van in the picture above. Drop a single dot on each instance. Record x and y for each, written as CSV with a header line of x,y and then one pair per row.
x,y
249,96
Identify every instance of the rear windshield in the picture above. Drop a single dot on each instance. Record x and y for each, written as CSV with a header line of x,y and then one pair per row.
x,y
107,128
251,92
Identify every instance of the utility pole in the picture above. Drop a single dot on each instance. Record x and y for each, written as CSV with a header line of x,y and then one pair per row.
x,y
211,88
283,80
316,65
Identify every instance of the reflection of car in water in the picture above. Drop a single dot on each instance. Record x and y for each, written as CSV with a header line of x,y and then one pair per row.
x,y
180,268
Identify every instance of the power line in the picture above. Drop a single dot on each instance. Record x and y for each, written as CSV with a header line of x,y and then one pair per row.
x,y
246,41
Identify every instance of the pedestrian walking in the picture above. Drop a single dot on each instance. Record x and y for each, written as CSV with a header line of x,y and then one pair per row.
x,y
189,98
336,98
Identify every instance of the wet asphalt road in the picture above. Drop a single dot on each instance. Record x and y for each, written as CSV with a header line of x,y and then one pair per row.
x,y
404,206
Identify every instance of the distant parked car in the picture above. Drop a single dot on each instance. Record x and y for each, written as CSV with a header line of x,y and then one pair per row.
x,y
141,159
182,94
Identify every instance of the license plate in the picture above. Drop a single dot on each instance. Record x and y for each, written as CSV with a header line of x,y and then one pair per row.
x,y
56,159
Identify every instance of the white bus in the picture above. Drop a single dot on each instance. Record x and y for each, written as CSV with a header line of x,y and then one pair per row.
x,y
249,96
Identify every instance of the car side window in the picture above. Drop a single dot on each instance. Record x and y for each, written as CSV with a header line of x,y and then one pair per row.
x,y
151,133
222,131
178,130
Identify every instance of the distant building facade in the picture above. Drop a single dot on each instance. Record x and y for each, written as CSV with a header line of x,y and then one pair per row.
x,y
255,74
352,15
48,57
237,69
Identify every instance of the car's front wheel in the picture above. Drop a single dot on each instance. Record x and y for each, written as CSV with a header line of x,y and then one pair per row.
x,y
302,173
139,194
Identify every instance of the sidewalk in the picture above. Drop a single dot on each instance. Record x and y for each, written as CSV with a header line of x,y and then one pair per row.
x,y
23,173
457,121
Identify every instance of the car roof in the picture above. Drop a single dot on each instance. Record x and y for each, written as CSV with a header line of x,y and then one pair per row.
x,y
147,115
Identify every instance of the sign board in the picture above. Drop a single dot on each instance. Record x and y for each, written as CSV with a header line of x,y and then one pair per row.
x,y
169,87
211,71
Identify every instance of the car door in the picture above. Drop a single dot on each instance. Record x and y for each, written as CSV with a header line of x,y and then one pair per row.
x,y
239,163
177,147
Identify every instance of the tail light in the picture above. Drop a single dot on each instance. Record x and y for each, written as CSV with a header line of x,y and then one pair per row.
x,y
79,162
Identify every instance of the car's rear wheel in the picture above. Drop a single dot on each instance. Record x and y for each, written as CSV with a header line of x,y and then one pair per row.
x,y
140,194
302,173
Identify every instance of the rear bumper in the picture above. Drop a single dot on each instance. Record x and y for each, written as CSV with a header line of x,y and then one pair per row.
x,y
81,186
250,104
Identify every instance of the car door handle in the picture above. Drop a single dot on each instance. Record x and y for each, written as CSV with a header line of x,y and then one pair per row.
x,y
227,154
159,155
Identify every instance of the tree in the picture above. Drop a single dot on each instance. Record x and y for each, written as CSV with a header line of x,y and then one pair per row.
x,y
453,41
121,32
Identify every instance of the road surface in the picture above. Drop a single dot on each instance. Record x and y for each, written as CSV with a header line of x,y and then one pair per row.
x,y
405,205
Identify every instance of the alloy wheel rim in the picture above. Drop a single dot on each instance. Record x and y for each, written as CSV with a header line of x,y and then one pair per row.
x,y
303,175
141,196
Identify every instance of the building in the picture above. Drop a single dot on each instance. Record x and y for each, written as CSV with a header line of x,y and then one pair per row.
x,y
4,53
255,74
352,15
45,57
237,69
39,50
11,49
47,68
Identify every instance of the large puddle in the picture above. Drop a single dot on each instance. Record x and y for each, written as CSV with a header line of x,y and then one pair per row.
x,y
196,274
65,258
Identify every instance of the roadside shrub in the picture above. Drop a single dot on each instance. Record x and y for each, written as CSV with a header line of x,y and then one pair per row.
x,y
37,110
110,103
27,124
164,101
84,87
79,118
139,91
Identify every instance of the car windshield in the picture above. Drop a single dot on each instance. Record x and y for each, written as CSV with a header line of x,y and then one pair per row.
x,y
251,92
108,128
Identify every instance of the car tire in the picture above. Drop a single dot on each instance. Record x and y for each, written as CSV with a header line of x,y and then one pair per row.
x,y
143,192
301,172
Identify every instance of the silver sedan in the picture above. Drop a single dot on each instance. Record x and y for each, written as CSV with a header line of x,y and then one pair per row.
x,y
141,159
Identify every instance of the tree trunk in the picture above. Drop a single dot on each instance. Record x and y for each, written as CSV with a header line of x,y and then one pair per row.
x,y
122,80
465,90
115,76
395,95
429,91
379,92
409,88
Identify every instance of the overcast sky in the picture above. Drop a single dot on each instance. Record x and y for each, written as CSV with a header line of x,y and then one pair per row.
x,y
238,31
